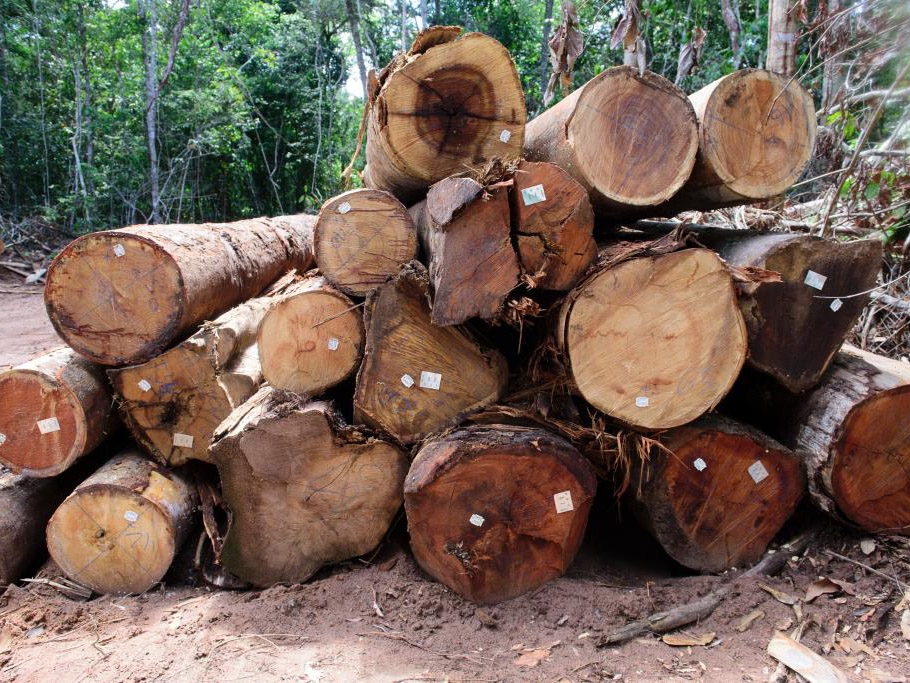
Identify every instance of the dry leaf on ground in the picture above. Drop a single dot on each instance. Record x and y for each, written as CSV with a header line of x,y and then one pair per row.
x,y
687,640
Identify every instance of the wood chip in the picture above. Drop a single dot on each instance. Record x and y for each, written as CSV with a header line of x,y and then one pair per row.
x,y
780,596
746,622
688,640
905,624
811,666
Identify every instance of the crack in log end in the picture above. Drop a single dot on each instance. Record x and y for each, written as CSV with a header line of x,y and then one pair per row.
x,y
464,556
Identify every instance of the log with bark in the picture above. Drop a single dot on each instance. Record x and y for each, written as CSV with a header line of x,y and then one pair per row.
x,y
716,493
119,530
54,409
363,237
417,378
303,489
497,511
451,102
311,338
173,403
123,296
629,138
653,341
852,432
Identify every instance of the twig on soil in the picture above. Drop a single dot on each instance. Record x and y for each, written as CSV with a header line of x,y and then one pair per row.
x,y
74,588
404,639
900,584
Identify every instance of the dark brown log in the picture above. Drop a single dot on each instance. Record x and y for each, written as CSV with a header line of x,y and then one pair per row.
x,y
123,296
417,378
119,530
465,234
497,511
304,489
54,409
718,494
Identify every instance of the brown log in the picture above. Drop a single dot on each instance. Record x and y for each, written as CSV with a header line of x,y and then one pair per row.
x,y
417,378
123,296
497,511
304,489
601,133
719,493
311,338
465,235
119,530
852,431
451,102
553,224
173,403
362,238
654,341
55,409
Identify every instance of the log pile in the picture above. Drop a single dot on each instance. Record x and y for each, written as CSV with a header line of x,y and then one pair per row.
x,y
475,336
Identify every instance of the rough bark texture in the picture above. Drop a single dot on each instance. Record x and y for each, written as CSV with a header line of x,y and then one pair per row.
x,y
303,489
362,238
123,296
465,235
311,338
782,29
718,495
654,341
497,511
119,530
417,378
630,139
54,409
448,103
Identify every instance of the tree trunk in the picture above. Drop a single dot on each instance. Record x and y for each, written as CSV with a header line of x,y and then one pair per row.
x,y
545,48
654,341
173,403
404,25
853,432
354,25
453,103
311,338
553,223
118,532
601,133
150,54
781,38
417,378
55,409
465,235
497,511
718,494
304,489
362,238
122,296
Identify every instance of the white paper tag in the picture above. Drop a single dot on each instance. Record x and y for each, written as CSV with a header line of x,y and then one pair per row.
x,y
183,440
144,385
407,380
700,465
430,380
505,136
49,425
333,344
563,501
533,195
477,520
758,472
816,280
836,304
2,438
119,250
130,516
642,401
344,207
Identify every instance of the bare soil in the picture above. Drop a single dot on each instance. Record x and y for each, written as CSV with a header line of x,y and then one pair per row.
x,y
382,619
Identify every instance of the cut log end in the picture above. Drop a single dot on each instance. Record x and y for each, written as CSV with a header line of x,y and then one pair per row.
x,y
362,238
496,511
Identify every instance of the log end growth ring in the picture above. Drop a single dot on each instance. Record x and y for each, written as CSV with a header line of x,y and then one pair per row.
x,y
114,297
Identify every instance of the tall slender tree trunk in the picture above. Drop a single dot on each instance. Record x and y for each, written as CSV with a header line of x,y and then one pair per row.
x,y
87,127
404,25
36,25
149,50
545,48
781,38
423,13
354,23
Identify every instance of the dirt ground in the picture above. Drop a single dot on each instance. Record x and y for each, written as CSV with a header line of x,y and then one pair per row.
x,y
383,619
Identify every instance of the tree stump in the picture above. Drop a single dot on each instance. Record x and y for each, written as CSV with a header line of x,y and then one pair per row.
x,y
417,378
118,532
362,238
304,489
55,409
718,495
450,102
123,296
497,511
